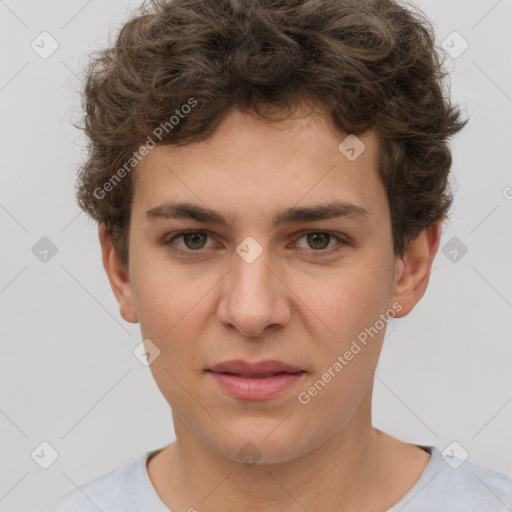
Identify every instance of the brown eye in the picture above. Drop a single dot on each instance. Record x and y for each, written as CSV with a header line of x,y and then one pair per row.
x,y
194,240
318,240
191,245
318,244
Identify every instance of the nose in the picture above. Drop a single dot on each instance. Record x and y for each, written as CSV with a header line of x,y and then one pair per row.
x,y
254,298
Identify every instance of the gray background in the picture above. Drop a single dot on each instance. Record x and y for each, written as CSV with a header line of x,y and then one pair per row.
x,y
68,374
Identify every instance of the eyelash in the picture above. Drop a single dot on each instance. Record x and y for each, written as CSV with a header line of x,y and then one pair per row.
x,y
310,253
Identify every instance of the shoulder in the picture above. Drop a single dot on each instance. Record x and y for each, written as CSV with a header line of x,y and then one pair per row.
x,y
453,484
110,492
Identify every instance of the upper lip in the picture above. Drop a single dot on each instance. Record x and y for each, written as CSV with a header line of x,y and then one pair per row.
x,y
262,367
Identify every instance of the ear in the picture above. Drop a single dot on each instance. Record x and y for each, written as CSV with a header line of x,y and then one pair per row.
x,y
412,270
118,276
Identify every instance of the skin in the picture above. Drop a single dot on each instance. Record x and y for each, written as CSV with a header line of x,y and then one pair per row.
x,y
285,305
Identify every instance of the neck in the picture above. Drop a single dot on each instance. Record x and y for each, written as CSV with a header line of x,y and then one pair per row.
x,y
342,474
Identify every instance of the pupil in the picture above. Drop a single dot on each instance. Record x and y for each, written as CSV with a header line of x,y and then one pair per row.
x,y
192,236
315,236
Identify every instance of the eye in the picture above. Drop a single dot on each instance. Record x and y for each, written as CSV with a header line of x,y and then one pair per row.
x,y
194,241
319,240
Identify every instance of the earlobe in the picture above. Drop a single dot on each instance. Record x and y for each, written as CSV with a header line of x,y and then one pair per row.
x,y
118,276
412,271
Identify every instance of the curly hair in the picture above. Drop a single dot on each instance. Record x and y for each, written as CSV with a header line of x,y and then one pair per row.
x,y
370,64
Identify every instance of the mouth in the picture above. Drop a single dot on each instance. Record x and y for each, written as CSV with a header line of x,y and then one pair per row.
x,y
260,369
261,381
258,376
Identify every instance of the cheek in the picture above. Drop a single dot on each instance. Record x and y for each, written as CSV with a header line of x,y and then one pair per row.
x,y
346,301
168,297
347,358
173,315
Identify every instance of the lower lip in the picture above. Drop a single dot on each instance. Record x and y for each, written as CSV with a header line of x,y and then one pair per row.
x,y
247,388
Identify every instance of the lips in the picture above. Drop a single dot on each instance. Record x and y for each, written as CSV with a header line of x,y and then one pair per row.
x,y
264,380
261,369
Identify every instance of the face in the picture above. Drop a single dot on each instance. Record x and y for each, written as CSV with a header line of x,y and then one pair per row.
x,y
302,291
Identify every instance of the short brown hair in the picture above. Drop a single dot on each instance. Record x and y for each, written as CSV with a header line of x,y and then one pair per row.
x,y
371,64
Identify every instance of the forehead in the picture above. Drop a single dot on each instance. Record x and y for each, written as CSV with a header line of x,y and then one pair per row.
x,y
251,167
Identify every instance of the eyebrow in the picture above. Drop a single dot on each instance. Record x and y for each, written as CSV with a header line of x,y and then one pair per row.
x,y
184,210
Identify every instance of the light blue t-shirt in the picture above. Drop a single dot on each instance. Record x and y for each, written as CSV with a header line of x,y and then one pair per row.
x,y
440,488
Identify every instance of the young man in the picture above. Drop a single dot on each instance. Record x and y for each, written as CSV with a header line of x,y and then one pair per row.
x,y
269,180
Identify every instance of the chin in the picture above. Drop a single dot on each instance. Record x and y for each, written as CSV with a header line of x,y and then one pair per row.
x,y
260,442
